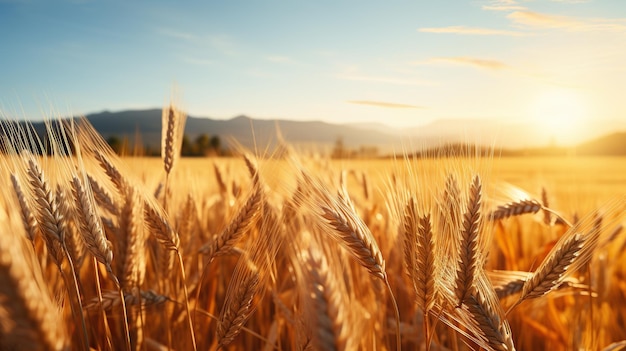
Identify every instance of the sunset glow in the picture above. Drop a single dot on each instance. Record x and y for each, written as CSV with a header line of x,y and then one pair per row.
x,y
551,64
560,114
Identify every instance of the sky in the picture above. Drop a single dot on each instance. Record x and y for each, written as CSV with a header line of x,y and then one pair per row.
x,y
559,64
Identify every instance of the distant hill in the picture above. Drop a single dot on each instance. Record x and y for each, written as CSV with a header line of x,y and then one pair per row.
x,y
242,129
512,139
610,145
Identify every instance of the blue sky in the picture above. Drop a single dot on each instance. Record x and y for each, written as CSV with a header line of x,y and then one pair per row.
x,y
403,63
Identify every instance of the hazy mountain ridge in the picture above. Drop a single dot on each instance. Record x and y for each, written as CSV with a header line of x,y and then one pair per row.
x,y
323,135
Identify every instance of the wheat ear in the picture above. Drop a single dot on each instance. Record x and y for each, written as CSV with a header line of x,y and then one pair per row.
x,y
50,219
250,276
420,255
91,226
173,126
169,239
238,307
450,218
243,221
28,218
73,240
426,265
551,270
131,225
515,208
328,309
468,249
111,300
486,312
102,196
220,180
112,172
356,237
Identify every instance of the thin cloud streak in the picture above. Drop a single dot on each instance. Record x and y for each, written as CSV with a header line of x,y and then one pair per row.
x,y
171,33
471,61
220,43
385,80
536,20
463,30
506,8
279,59
383,104
198,61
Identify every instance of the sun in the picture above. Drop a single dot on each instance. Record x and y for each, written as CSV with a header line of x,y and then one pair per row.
x,y
560,115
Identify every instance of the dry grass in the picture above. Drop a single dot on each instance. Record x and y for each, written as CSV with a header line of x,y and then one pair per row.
x,y
303,253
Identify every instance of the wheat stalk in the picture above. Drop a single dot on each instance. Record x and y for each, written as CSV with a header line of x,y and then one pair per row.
x,y
169,239
547,217
410,233
30,320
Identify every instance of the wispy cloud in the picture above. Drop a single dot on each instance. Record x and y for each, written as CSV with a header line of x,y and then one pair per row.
x,y
198,61
503,5
471,61
176,34
507,8
279,59
380,79
463,30
536,20
382,104
504,2
221,43
573,1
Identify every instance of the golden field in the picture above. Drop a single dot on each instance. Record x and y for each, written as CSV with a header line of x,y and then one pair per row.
x,y
305,253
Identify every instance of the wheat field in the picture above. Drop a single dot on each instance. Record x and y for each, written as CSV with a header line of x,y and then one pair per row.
x,y
292,251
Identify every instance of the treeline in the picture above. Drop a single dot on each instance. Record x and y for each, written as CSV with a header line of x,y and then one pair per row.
x,y
201,146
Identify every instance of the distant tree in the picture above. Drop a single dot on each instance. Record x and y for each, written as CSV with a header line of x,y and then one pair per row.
x,y
202,145
216,143
339,150
116,144
186,148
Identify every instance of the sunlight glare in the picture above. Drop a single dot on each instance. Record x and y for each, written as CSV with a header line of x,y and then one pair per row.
x,y
560,115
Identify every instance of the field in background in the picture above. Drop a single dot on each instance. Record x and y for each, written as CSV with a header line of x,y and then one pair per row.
x,y
575,184
306,253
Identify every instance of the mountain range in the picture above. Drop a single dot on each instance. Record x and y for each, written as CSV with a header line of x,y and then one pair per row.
x,y
323,136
